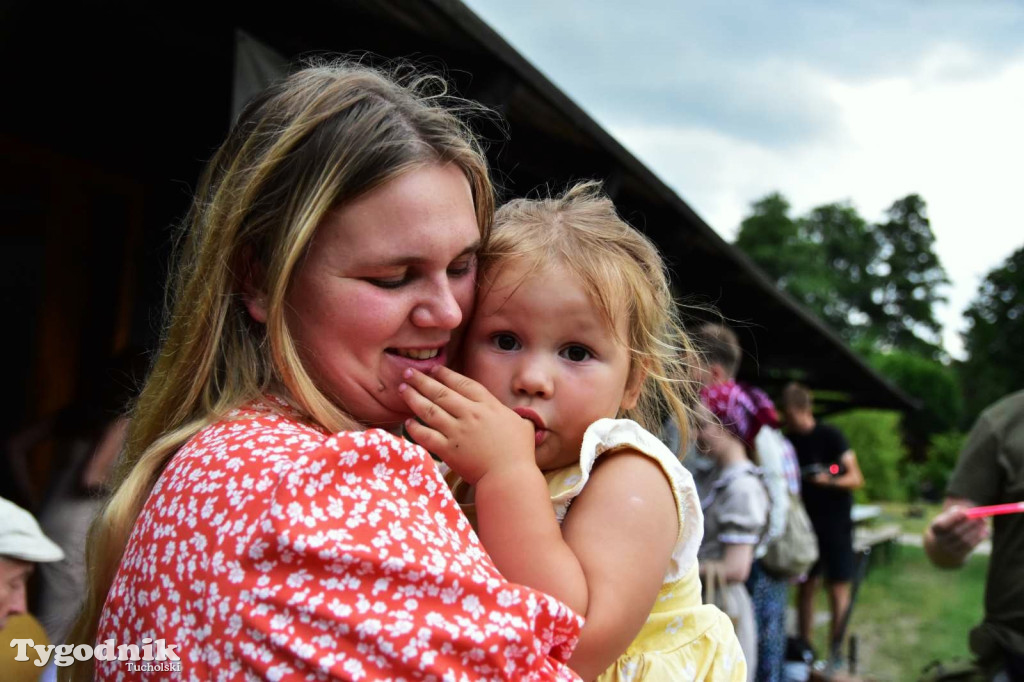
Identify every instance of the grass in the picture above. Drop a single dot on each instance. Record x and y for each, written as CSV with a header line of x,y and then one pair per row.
x,y
908,614
912,518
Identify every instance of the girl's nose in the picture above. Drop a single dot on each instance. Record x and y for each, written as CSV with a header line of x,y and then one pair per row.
x,y
533,379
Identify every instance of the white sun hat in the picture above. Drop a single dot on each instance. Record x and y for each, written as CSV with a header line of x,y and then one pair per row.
x,y
22,538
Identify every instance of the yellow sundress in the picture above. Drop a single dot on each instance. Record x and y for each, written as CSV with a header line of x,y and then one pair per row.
x,y
682,639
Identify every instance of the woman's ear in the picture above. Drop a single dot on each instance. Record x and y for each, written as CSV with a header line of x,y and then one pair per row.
x,y
633,385
251,282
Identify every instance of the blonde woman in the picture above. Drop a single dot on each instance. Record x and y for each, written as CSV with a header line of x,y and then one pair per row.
x,y
266,521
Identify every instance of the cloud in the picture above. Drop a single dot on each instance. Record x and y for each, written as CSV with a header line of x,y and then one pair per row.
x,y
862,100
955,142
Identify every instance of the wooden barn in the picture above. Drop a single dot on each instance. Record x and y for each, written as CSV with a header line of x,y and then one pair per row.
x,y
113,107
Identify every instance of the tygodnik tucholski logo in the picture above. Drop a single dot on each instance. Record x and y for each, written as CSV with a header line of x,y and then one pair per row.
x,y
152,656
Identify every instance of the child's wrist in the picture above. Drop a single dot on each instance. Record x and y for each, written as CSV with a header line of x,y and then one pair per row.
x,y
509,475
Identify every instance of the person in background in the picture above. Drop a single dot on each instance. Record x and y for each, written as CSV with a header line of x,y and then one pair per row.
x,y
990,471
776,458
830,475
86,437
735,506
22,546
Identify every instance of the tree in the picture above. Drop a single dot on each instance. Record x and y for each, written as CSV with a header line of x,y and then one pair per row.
x,y
772,240
790,252
994,340
875,285
934,385
902,307
846,250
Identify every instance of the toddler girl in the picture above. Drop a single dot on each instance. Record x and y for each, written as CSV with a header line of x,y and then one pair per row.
x,y
574,332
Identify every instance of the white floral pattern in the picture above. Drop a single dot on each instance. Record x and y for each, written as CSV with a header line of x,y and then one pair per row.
x,y
271,550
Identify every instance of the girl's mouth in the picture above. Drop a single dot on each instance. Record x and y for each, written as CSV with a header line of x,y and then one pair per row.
x,y
540,432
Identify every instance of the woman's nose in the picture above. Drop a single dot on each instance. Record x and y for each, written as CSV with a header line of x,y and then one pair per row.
x,y
439,308
533,379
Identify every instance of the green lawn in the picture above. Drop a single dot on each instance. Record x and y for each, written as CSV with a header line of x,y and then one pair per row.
x,y
909,613
912,518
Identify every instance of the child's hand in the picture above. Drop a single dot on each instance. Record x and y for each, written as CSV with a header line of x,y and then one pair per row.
x,y
465,425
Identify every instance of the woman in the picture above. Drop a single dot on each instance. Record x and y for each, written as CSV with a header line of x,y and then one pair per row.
x,y
259,523
735,505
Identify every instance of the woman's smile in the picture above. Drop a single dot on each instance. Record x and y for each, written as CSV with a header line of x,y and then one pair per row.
x,y
387,284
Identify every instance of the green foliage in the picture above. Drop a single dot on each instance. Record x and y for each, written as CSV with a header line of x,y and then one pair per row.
x,y
773,241
875,436
846,251
903,315
932,476
876,285
935,385
994,340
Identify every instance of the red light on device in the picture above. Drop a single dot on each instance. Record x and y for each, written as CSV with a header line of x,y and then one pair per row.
x,y
833,469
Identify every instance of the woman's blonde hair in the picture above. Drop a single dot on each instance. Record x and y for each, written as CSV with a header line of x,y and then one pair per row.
x,y
324,136
624,274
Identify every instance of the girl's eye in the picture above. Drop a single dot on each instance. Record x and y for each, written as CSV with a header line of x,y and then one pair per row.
x,y
506,342
576,353
462,267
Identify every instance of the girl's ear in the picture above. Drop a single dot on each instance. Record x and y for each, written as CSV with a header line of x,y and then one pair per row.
x,y
251,282
633,385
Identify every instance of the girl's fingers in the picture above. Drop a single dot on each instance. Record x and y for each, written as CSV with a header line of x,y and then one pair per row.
x,y
426,409
446,397
426,437
460,383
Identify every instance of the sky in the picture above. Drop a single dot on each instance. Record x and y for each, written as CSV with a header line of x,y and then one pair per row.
x,y
858,101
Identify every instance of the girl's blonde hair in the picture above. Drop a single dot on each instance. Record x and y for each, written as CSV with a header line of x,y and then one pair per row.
x,y
324,136
624,273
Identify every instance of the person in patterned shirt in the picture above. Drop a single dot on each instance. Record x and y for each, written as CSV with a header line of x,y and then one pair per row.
x,y
266,521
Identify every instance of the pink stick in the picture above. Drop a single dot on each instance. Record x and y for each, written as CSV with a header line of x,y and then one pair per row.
x,y
994,510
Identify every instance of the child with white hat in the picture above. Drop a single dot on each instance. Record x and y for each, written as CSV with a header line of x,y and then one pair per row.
x,y
22,545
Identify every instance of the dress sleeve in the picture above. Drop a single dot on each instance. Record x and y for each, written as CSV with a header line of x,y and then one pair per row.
x,y
742,511
612,435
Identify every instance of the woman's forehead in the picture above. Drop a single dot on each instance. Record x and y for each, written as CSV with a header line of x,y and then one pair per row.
x,y
423,214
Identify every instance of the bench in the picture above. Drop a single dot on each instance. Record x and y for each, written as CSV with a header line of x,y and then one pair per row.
x,y
885,537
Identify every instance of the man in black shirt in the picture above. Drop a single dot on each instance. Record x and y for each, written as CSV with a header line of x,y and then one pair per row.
x,y
830,475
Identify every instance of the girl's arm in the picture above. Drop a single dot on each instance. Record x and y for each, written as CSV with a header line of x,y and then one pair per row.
x,y
622,528
492,447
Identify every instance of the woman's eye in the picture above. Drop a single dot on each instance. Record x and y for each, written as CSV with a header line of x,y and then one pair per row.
x,y
388,282
462,267
577,353
506,342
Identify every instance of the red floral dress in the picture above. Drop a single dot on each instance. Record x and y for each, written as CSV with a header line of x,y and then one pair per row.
x,y
272,550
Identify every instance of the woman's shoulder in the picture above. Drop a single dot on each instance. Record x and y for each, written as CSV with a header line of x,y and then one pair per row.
x,y
272,427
